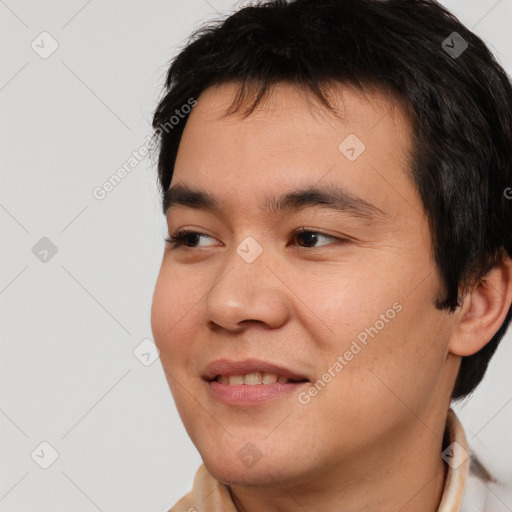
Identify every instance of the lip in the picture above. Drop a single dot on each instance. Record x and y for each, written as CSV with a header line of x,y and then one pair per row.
x,y
229,367
251,395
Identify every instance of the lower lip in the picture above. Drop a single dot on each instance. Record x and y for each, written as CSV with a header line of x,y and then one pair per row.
x,y
246,394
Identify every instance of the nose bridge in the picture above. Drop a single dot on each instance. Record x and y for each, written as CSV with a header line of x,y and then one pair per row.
x,y
246,289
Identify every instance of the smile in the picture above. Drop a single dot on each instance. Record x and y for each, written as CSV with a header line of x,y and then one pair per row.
x,y
253,378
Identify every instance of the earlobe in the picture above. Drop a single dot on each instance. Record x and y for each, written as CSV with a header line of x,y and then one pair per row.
x,y
483,310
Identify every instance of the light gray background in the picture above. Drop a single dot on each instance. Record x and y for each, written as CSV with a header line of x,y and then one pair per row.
x,y
69,326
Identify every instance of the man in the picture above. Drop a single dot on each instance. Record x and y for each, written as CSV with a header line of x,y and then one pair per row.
x,y
334,177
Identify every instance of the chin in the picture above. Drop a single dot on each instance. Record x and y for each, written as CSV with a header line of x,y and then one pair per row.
x,y
231,470
233,474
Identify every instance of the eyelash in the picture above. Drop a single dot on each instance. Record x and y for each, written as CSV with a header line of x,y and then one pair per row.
x,y
177,238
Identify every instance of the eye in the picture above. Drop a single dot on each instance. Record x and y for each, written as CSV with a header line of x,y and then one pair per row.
x,y
311,237
189,238
185,237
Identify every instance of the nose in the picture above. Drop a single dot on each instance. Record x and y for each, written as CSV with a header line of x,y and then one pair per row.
x,y
246,293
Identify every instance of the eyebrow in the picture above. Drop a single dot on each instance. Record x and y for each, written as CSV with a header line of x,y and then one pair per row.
x,y
329,197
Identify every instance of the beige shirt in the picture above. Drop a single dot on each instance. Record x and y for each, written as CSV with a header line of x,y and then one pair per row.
x,y
210,495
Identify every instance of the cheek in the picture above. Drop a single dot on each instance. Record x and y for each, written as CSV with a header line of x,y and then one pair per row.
x,y
175,302
347,304
390,340
392,378
173,308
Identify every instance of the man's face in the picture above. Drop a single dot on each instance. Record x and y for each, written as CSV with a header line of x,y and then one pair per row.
x,y
349,303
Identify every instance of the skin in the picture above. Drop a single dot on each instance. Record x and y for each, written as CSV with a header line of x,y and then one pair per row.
x,y
372,438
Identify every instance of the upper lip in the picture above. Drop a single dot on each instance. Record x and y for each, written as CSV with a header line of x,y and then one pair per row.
x,y
228,367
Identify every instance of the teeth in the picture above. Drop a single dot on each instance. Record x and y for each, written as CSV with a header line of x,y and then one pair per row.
x,y
269,378
236,379
251,379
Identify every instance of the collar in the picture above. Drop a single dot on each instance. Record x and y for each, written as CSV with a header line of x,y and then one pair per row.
x,y
210,495
457,457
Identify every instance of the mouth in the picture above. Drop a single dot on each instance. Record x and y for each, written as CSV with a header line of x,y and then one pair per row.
x,y
255,378
250,372
250,382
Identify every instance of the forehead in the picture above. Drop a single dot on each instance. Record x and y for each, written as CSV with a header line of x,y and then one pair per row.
x,y
290,140
283,100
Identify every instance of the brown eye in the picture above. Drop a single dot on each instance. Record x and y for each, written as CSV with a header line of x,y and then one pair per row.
x,y
310,237
185,238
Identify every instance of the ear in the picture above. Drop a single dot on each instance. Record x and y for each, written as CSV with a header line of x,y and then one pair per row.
x,y
483,310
